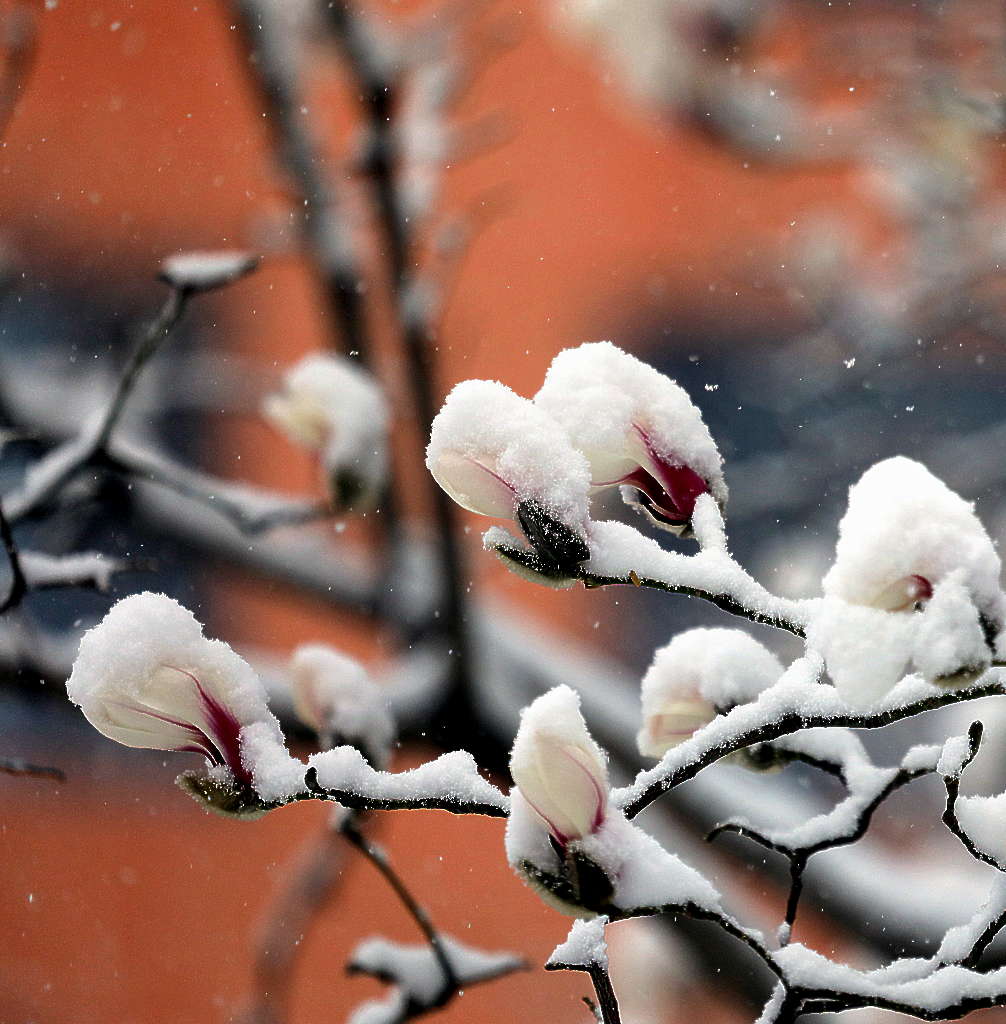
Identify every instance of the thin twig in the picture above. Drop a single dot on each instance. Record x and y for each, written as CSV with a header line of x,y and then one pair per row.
x,y
418,914
50,475
15,766
953,787
606,1000
19,584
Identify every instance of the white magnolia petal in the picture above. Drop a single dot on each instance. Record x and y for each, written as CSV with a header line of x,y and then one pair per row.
x,y
558,767
473,485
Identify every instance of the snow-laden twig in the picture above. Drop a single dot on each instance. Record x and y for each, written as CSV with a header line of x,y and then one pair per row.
x,y
18,584
449,783
251,510
868,787
325,233
952,780
797,701
585,950
621,556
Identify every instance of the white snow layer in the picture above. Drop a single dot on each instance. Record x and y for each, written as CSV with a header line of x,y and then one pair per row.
x,y
613,404
451,778
983,819
936,990
906,532
489,448
199,271
85,567
331,405
583,946
958,942
698,672
416,970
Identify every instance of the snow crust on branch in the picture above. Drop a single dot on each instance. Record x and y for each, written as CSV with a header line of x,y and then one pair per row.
x,y
83,567
204,270
418,976
451,781
584,945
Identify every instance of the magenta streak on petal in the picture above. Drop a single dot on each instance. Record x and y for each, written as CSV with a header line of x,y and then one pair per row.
x,y
677,487
202,743
225,729
486,469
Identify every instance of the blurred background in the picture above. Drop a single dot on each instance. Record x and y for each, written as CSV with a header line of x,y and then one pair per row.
x,y
795,209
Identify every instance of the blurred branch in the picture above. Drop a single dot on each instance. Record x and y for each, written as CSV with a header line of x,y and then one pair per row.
x,y
35,771
20,39
19,585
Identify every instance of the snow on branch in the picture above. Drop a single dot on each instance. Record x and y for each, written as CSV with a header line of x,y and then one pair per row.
x,y
416,976
797,701
585,950
450,783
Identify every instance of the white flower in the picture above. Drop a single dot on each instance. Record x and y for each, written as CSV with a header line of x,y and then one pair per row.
x,y
638,430
699,674
146,676
906,544
335,408
335,697
558,768
489,449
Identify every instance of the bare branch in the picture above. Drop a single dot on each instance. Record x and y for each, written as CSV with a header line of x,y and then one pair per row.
x,y
14,766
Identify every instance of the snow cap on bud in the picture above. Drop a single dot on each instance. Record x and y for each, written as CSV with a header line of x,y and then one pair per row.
x,y
331,406
907,544
905,531
699,674
498,454
146,676
638,430
558,768
335,697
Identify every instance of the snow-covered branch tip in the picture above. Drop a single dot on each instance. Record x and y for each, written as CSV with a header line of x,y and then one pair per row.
x,y
796,702
585,950
187,275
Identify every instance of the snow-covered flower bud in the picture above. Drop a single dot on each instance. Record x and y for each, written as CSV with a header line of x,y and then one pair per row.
x,y
336,409
558,768
907,543
638,430
498,454
146,676
334,696
699,674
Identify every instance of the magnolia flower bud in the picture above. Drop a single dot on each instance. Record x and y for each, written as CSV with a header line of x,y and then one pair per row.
x,y
638,430
497,454
906,543
335,408
146,676
698,675
558,768
335,697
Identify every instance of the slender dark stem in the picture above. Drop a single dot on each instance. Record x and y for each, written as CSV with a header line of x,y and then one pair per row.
x,y
797,864
324,234
953,787
992,929
150,341
19,584
63,463
214,493
378,92
418,914
606,1000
